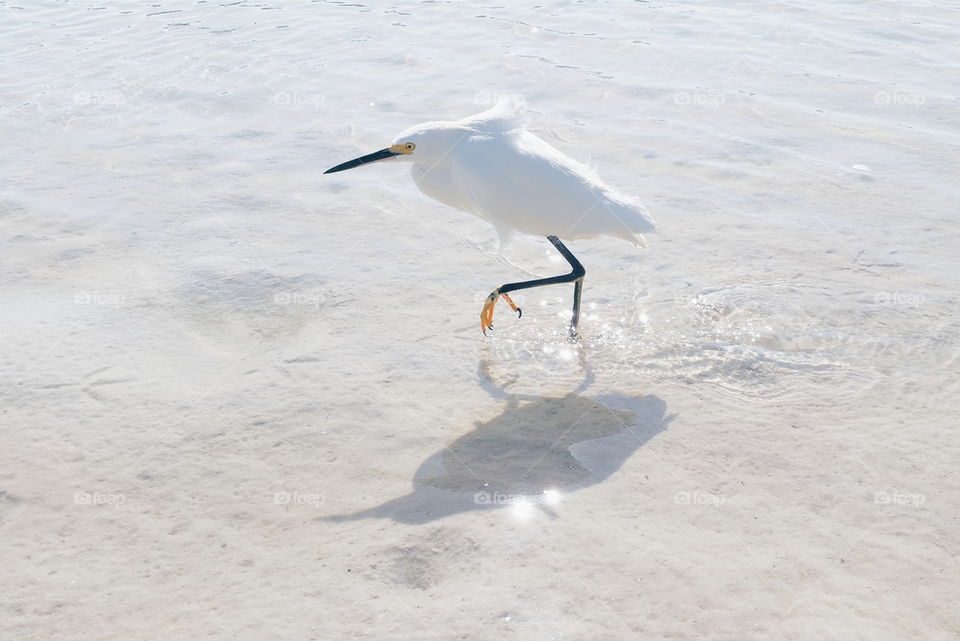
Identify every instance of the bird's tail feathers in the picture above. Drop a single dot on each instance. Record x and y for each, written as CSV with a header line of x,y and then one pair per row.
x,y
632,219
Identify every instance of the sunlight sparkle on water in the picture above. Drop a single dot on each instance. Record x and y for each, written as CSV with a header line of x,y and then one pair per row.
x,y
522,508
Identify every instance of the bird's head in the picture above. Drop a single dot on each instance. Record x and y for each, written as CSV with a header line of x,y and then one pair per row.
x,y
426,144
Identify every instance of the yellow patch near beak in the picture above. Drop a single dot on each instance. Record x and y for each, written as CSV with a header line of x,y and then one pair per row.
x,y
405,148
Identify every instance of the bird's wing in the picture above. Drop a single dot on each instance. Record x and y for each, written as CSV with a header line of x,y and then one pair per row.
x,y
522,183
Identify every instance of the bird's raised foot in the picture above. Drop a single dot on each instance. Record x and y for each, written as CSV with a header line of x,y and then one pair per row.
x,y
486,314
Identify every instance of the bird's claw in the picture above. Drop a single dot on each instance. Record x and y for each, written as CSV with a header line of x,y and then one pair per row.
x,y
486,314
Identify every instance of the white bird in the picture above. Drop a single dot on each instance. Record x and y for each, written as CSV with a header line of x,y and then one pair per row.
x,y
489,165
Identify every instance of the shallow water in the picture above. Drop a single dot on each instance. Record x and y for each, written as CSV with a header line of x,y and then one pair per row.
x,y
198,320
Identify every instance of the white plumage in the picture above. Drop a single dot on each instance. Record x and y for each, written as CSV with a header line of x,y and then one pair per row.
x,y
489,165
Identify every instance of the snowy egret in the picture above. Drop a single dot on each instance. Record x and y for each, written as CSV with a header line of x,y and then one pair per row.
x,y
489,165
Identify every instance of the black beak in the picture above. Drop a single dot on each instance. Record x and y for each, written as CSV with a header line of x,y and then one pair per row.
x,y
363,160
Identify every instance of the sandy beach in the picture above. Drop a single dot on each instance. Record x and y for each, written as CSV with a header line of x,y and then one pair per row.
x,y
243,400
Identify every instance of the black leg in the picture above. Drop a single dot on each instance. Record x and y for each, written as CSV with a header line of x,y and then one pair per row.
x,y
575,276
575,321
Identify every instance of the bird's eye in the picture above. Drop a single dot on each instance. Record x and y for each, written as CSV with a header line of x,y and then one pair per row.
x,y
409,147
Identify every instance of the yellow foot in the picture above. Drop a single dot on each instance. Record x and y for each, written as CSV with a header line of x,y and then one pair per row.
x,y
486,314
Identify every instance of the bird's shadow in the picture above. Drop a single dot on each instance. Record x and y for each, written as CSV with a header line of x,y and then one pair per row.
x,y
537,450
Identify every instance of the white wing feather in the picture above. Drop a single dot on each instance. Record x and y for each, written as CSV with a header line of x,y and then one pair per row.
x,y
516,180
